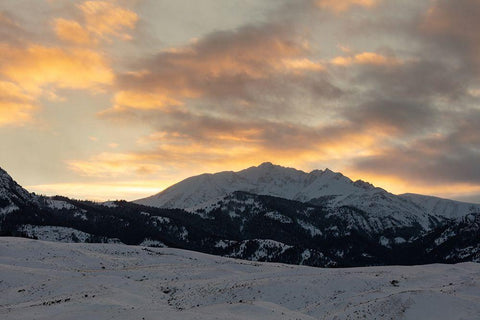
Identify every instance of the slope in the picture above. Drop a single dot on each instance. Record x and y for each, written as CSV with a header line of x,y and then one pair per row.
x,y
44,280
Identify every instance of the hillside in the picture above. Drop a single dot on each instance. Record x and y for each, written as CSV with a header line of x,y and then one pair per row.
x,y
45,280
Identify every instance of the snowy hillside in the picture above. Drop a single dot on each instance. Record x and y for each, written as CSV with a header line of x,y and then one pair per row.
x,y
326,188
11,194
46,280
443,207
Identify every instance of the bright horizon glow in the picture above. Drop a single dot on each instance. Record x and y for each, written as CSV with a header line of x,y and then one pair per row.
x,y
133,190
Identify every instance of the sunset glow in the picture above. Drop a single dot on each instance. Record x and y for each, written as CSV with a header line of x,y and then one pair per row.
x,y
120,99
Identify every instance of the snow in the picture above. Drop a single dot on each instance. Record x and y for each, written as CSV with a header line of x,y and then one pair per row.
x,y
197,192
442,207
306,255
152,243
59,204
46,280
160,220
274,215
314,231
264,250
224,243
183,233
81,214
109,204
52,233
11,193
325,187
444,237
399,240
9,208
59,234
384,241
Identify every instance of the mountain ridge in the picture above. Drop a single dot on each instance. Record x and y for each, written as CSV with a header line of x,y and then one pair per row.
x,y
324,187
251,226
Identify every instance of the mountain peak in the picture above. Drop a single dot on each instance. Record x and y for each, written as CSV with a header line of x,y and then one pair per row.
x,y
11,193
364,184
265,179
5,179
266,165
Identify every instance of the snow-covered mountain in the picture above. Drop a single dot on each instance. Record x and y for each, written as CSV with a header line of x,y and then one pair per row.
x,y
368,226
266,179
12,195
442,207
322,187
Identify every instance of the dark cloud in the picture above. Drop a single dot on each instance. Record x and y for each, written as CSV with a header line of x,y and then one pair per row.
x,y
451,157
400,117
10,30
179,127
452,27
423,79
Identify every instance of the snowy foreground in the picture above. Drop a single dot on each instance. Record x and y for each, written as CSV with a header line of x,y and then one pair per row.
x,y
47,280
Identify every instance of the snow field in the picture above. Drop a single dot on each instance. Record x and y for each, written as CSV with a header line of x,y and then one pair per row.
x,y
47,280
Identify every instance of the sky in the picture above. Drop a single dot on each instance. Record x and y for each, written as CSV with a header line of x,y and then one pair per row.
x,y
120,99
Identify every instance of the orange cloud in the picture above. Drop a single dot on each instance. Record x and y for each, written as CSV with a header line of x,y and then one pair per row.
x,y
399,185
344,5
302,65
109,164
224,149
370,58
71,31
105,18
144,100
38,66
16,107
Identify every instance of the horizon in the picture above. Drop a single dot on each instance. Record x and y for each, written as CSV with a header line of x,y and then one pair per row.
x,y
154,192
103,100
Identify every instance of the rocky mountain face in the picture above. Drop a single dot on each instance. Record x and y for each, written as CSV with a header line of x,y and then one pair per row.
x,y
279,218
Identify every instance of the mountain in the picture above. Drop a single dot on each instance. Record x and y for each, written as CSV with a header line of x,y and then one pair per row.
x,y
366,227
266,179
326,188
12,195
442,207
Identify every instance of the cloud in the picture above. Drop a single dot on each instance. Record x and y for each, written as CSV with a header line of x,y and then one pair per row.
x,y
38,70
366,58
99,21
108,164
344,5
71,31
106,18
35,67
254,65
450,157
16,106
398,99
452,26
10,30
143,100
